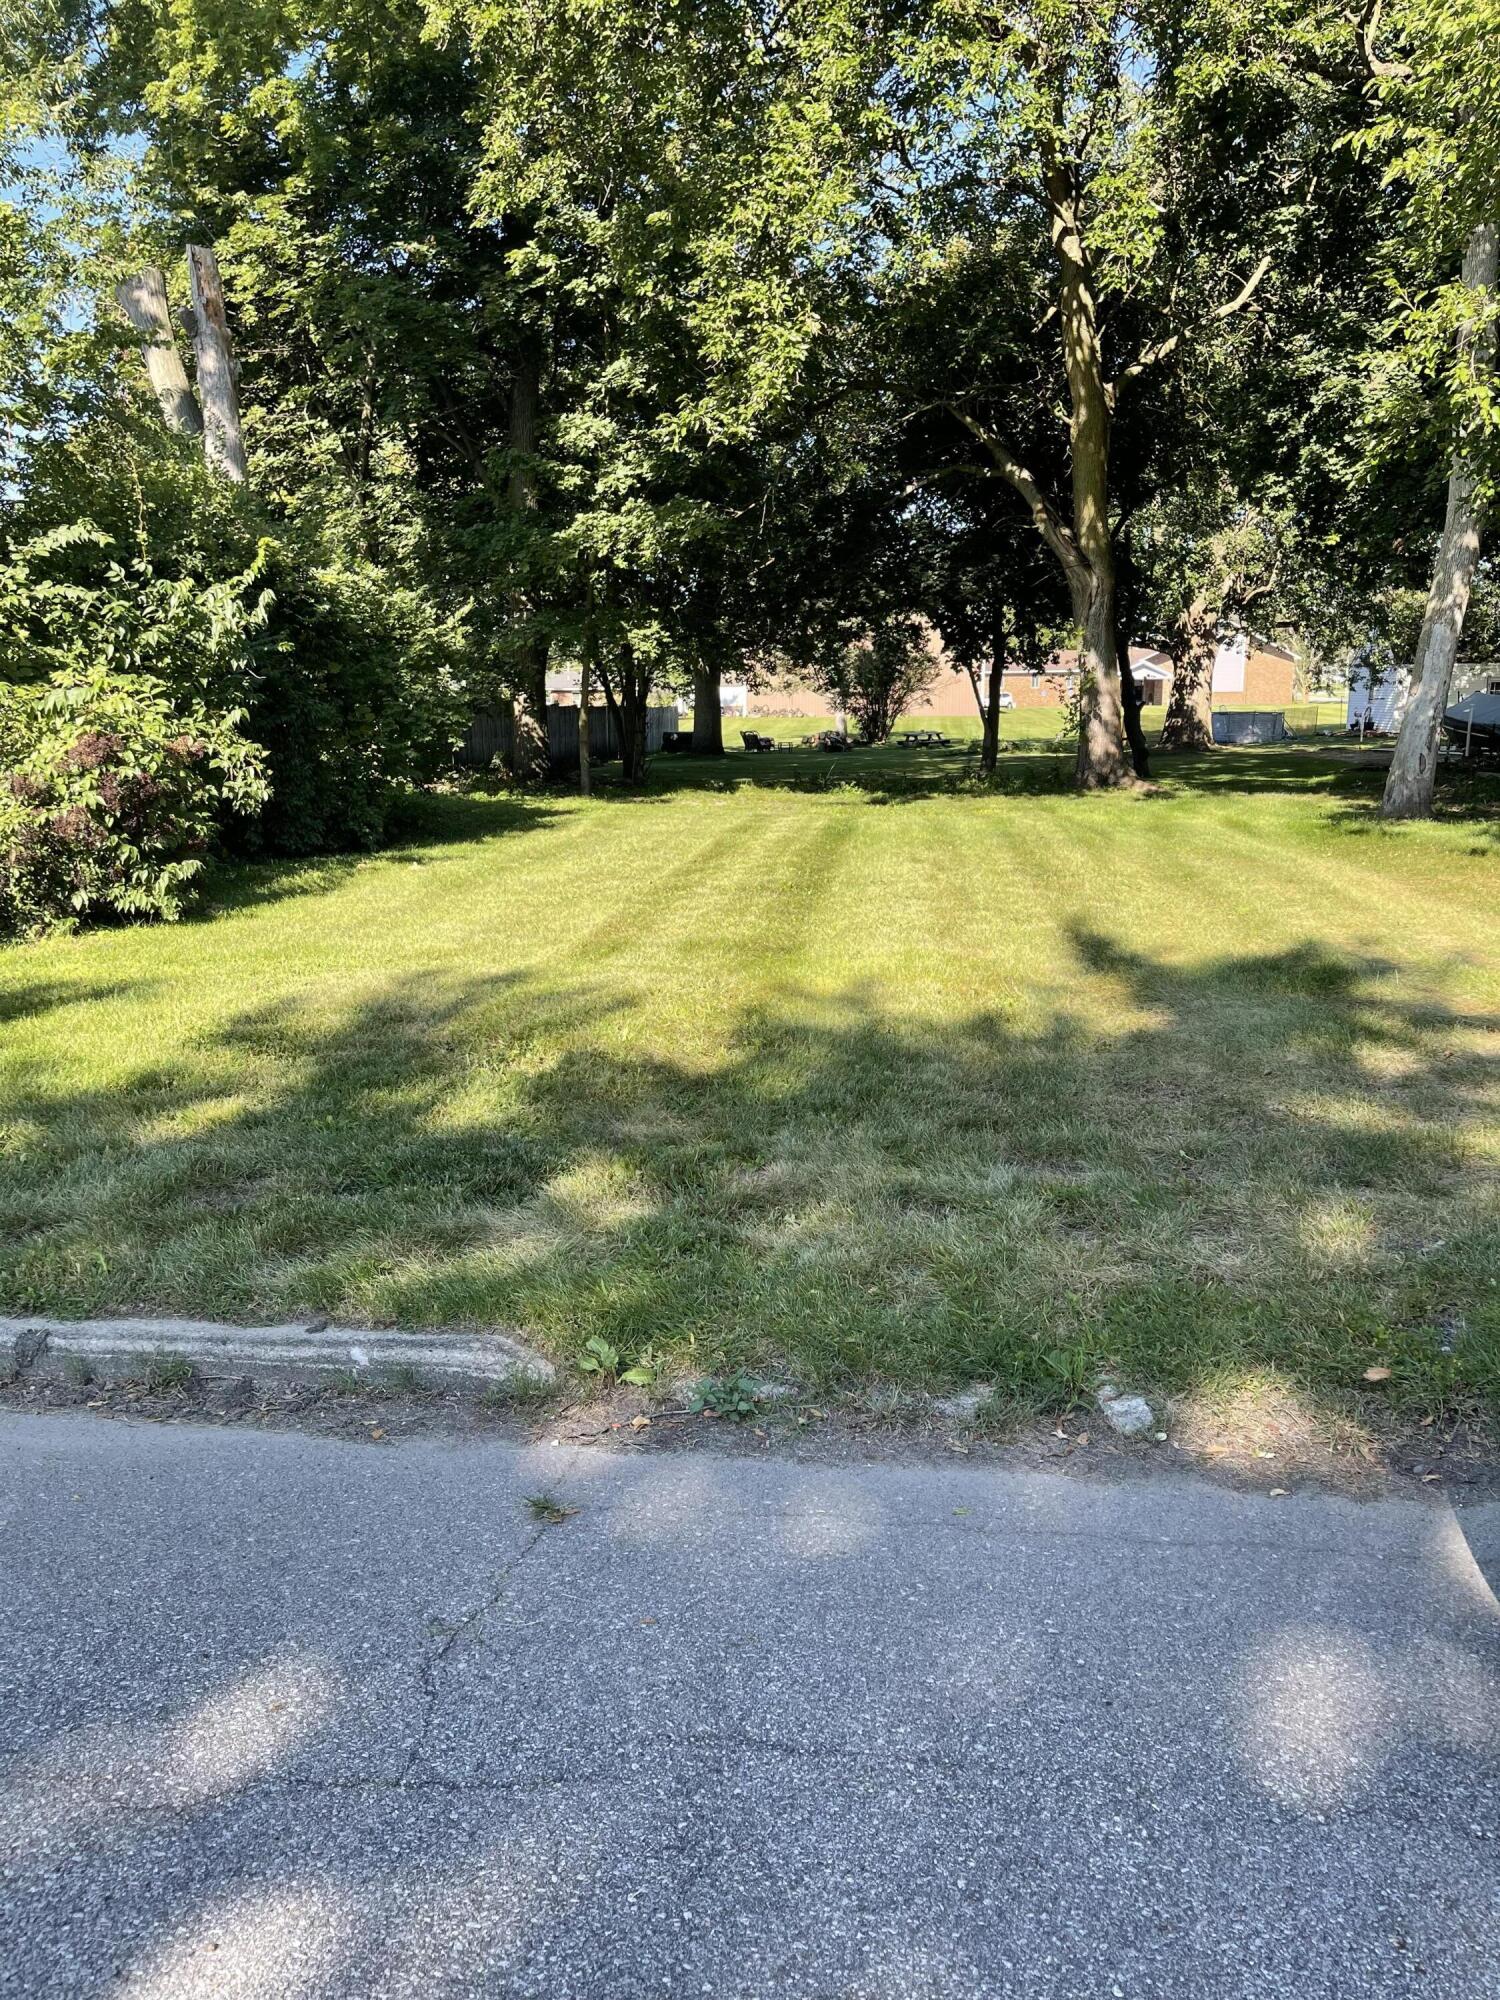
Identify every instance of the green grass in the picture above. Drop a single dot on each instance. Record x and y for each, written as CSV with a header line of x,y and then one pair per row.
x,y
1029,726
1025,727
845,1067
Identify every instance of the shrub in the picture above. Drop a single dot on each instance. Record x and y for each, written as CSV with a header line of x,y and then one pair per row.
x,y
68,605
354,696
348,677
112,797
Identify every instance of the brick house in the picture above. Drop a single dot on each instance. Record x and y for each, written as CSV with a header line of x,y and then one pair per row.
x,y
1248,673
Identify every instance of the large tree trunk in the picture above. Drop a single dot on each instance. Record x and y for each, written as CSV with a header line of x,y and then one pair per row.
x,y
989,748
531,751
1101,728
708,717
1412,777
633,743
1101,737
585,691
143,300
223,445
1189,721
531,757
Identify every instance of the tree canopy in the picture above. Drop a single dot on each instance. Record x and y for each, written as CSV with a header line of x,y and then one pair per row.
x,y
699,340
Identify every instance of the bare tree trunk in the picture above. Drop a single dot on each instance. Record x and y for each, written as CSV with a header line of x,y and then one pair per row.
x,y
1101,728
585,690
1101,737
633,748
989,749
143,300
708,717
1412,777
531,751
1189,721
531,758
1130,709
223,445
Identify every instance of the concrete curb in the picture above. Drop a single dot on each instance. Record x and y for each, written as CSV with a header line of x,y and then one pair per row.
x,y
114,1350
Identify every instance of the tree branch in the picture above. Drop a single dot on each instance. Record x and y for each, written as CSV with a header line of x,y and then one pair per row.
x,y
1045,518
1369,34
1161,349
962,468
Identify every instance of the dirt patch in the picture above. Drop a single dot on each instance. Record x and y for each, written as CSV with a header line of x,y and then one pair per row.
x,y
1270,1443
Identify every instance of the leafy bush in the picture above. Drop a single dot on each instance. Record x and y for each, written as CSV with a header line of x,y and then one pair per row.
x,y
112,797
355,699
347,677
69,605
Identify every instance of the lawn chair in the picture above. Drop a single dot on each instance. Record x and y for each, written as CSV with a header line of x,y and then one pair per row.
x,y
752,740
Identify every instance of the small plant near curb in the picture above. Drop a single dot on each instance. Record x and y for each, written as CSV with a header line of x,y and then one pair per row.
x,y
1073,1369
548,1509
602,1361
403,1381
647,1370
77,1371
731,1396
164,1373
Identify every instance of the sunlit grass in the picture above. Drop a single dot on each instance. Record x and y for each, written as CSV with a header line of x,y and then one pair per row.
x,y
850,1068
1018,726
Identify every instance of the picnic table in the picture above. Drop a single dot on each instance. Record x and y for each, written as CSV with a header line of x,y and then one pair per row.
x,y
922,736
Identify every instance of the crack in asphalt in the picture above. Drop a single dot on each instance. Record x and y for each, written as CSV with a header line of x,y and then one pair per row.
x,y
434,1657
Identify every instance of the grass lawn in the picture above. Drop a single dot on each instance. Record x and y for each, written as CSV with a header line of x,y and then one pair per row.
x,y
1025,728
844,1067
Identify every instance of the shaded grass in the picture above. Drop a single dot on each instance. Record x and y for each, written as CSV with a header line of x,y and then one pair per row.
x,y
998,1085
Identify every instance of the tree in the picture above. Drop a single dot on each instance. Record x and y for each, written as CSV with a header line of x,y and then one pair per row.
x,y
993,597
1207,557
876,679
1125,159
1438,101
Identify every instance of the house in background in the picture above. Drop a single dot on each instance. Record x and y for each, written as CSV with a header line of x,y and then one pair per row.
x,y
1378,695
1248,673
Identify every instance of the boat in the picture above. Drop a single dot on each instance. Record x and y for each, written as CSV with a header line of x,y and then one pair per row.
x,y
1473,724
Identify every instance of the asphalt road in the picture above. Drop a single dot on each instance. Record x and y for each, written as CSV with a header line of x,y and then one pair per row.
x,y
297,1718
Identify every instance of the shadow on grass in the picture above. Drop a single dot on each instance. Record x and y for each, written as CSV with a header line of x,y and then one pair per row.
x,y
881,775
887,775
1467,798
1262,1162
426,820
28,1002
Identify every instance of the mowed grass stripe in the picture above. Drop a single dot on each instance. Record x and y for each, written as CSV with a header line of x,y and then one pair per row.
x,y
858,1072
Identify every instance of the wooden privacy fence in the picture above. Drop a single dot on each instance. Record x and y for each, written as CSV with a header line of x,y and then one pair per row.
x,y
492,734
